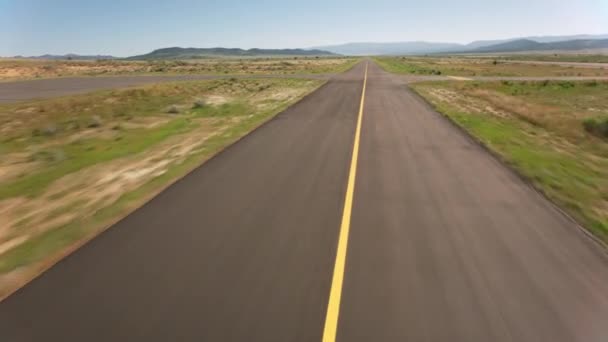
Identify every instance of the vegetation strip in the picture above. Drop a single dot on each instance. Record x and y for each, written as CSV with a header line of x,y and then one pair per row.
x,y
552,132
468,67
137,142
20,69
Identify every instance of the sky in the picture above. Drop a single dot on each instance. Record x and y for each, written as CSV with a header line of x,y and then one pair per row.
x,y
130,27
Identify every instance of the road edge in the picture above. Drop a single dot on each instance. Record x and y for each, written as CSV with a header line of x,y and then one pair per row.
x,y
43,266
603,246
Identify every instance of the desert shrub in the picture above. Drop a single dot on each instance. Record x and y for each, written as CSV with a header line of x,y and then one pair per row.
x,y
597,126
95,121
199,104
173,109
591,83
50,129
48,156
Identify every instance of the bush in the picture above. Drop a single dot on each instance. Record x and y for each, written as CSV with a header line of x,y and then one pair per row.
x,y
597,127
173,109
50,130
199,104
591,83
95,121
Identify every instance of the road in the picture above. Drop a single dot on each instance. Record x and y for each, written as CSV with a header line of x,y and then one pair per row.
x,y
443,242
13,91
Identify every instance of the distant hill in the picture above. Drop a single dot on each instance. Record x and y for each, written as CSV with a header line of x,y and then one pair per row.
x,y
530,45
191,53
69,56
501,45
397,48
513,45
539,39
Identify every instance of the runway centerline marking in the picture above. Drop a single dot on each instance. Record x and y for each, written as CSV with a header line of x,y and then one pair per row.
x,y
335,294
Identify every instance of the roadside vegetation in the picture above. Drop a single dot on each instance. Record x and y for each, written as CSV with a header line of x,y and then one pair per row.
x,y
16,69
577,58
466,66
555,133
71,166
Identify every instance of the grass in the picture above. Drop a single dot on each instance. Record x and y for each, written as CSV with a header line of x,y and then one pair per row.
x,y
246,105
597,126
81,154
538,128
577,58
15,69
461,66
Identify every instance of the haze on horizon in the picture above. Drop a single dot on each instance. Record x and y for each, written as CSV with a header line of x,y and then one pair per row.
x,y
35,27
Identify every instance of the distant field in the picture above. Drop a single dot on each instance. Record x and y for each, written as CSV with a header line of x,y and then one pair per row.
x,y
467,66
554,132
558,58
70,166
15,69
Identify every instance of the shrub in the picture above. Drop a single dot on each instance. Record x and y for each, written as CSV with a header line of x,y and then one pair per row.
x,y
199,104
49,130
173,109
591,83
596,126
95,121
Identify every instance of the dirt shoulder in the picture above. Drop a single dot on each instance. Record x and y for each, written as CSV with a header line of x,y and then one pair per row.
x,y
555,133
71,166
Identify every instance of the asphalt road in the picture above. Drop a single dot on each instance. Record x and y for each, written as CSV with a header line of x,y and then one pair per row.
x,y
14,91
445,243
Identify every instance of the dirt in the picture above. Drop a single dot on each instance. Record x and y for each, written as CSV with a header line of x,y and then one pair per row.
x,y
16,69
94,187
465,103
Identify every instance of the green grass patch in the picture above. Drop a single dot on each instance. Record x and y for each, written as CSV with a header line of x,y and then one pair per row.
x,y
574,176
81,154
86,152
470,67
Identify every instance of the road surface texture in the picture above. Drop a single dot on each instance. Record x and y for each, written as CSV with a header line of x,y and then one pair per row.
x,y
14,91
445,243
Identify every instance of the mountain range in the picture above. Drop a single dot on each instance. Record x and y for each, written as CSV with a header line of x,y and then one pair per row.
x,y
189,53
536,43
513,45
69,56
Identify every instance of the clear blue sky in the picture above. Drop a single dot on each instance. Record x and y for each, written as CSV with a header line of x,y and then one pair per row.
x,y
122,28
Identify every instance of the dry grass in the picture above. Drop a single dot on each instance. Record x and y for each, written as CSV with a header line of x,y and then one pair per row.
x,y
539,128
15,69
461,66
61,185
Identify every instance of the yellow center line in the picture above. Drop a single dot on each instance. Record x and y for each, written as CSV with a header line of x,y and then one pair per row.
x,y
333,306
